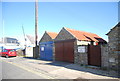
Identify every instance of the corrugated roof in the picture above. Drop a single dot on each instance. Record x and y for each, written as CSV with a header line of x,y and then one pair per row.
x,y
52,34
86,36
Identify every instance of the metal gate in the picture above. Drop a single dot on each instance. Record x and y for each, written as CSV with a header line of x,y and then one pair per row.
x,y
94,55
46,50
64,51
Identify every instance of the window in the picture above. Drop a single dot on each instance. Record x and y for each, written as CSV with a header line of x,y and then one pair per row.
x,y
5,50
12,50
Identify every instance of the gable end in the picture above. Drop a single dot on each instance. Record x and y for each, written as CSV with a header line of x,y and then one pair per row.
x,y
46,38
64,35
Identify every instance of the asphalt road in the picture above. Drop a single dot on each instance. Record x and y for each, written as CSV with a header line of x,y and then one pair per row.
x,y
10,71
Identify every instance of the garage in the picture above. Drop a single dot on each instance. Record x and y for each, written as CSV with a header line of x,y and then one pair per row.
x,y
67,42
46,45
46,50
64,51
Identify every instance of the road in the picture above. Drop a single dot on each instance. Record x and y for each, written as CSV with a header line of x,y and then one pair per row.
x,y
26,68
10,71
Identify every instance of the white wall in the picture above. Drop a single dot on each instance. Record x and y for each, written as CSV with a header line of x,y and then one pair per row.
x,y
83,42
29,52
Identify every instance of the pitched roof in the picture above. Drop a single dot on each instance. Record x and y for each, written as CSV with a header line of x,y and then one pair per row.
x,y
52,34
118,25
86,36
31,38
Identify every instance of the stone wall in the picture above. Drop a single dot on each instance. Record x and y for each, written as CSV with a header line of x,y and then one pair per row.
x,y
104,56
114,48
46,38
64,35
80,58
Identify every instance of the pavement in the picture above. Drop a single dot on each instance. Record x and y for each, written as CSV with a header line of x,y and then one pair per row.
x,y
59,70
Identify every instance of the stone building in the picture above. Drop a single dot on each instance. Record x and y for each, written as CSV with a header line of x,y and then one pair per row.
x,y
48,36
114,48
72,45
47,46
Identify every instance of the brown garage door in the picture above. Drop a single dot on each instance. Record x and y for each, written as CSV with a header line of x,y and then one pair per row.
x,y
59,51
94,55
64,51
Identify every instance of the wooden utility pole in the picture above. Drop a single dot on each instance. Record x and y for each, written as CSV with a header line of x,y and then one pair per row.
x,y
36,22
36,48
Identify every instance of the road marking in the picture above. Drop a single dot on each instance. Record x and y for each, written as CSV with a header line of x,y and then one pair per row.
x,y
38,73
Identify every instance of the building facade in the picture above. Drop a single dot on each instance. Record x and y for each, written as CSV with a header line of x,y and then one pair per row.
x,y
9,43
73,46
46,46
114,48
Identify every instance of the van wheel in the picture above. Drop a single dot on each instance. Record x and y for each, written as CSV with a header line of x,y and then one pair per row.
x,y
6,56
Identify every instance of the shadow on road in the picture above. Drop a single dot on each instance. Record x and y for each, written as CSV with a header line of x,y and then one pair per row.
x,y
78,67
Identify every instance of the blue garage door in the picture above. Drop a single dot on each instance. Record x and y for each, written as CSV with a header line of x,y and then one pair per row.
x,y
46,50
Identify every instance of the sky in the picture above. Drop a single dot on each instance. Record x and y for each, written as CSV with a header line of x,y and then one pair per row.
x,y
94,17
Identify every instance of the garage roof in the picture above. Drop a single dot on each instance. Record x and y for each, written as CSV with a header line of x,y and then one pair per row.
x,y
86,36
52,34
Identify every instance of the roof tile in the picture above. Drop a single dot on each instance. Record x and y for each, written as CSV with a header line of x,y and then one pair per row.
x,y
86,36
52,34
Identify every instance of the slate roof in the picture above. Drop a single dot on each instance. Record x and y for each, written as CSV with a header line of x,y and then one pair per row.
x,y
85,36
52,34
118,25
